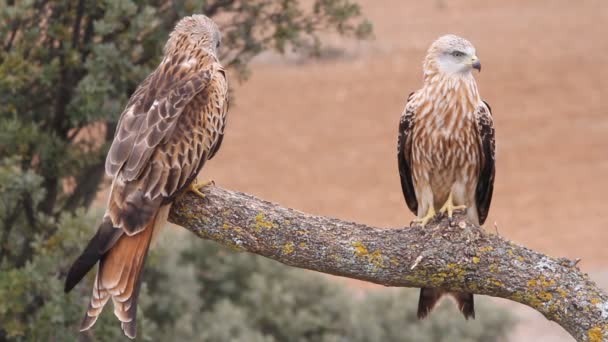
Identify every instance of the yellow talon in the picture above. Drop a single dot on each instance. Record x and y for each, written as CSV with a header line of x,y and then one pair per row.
x,y
429,216
450,207
196,187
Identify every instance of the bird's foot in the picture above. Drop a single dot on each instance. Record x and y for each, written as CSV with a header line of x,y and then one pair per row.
x,y
449,207
196,187
428,217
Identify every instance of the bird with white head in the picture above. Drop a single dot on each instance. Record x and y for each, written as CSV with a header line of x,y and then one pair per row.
x,y
446,147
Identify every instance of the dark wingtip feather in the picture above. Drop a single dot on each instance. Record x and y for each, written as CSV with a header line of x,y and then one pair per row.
x,y
105,237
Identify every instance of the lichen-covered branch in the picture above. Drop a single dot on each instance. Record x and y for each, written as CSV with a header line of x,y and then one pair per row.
x,y
454,255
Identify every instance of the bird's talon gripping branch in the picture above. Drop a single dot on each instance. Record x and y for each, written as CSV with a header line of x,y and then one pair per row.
x,y
449,207
430,214
196,187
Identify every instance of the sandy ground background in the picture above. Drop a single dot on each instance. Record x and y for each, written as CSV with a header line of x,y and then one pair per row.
x,y
321,136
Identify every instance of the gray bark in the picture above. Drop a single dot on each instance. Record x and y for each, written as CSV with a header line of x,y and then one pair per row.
x,y
451,254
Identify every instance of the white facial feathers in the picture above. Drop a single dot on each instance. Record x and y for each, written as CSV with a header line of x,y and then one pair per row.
x,y
451,54
456,61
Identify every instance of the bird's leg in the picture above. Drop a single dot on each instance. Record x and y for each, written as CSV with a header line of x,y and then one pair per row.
x,y
196,187
429,216
450,207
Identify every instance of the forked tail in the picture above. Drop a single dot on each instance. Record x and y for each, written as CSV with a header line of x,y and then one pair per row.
x,y
121,259
429,298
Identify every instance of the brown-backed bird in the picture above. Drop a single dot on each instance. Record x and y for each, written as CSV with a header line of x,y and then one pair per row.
x,y
173,123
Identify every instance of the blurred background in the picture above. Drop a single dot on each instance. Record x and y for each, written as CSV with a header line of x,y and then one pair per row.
x,y
318,87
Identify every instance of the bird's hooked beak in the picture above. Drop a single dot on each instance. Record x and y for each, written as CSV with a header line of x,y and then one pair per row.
x,y
475,63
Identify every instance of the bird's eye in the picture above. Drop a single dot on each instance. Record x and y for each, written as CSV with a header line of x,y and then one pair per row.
x,y
217,45
457,53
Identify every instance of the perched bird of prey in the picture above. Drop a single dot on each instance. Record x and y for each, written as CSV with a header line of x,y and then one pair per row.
x,y
173,124
446,147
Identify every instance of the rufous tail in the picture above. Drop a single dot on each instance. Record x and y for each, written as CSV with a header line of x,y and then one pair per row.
x,y
119,277
121,259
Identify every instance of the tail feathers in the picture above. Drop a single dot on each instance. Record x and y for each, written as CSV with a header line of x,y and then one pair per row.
x,y
430,296
101,242
118,277
130,327
466,304
427,300
98,300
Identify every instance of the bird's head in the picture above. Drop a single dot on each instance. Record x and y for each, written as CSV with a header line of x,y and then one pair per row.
x,y
197,30
451,55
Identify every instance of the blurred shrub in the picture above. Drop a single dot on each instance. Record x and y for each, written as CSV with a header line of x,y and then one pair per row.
x,y
243,297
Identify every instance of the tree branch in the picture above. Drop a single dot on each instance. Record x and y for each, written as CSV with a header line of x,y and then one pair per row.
x,y
452,255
